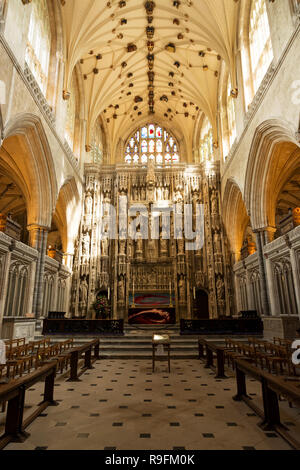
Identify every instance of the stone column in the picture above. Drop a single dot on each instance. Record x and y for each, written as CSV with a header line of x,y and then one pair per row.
x,y
250,299
260,237
296,277
274,307
5,255
38,236
237,293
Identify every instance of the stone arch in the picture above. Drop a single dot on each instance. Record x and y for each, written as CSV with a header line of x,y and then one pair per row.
x,y
274,156
26,156
67,214
235,217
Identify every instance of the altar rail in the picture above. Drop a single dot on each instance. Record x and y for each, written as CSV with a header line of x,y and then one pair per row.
x,y
78,326
230,326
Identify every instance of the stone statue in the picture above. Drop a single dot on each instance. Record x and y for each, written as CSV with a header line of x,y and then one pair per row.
x,y
104,246
86,244
129,249
178,196
214,203
180,244
83,295
151,172
217,243
134,193
139,243
220,289
88,204
159,193
121,289
166,193
122,247
181,286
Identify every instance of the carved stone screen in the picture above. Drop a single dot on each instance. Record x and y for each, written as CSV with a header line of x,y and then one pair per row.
x,y
154,267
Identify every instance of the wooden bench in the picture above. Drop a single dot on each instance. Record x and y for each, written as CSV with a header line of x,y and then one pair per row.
x,y
14,394
76,353
212,348
272,387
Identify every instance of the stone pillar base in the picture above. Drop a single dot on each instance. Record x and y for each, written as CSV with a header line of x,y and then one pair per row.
x,y
283,326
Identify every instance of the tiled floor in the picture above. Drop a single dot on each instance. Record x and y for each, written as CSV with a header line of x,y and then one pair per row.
x,y
122,405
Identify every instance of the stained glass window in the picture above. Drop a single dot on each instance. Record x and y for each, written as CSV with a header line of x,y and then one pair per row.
x,y
151,142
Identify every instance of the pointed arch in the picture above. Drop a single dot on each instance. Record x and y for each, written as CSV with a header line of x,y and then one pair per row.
x,y
235,216
274,156
26,155
67,214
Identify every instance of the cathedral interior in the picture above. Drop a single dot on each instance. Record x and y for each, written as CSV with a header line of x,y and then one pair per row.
x,y
150,185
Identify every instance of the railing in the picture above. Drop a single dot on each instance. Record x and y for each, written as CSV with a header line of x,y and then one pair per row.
x,y
85,327
233,326
14,394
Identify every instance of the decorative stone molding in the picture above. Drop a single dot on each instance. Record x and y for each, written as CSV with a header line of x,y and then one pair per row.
x,y
51,265
39,95
23,252
71,155
5,242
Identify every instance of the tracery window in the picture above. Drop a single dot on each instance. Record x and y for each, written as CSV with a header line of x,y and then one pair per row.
x,y
261,51
152,142
39,43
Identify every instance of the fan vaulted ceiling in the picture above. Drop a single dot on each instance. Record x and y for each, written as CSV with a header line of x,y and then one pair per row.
x,y
118,45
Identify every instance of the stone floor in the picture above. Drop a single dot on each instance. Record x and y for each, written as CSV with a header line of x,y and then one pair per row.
x,y
122,405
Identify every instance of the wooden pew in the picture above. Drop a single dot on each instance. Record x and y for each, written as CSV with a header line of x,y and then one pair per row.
x,y
14,394
76,352
212,348
272,387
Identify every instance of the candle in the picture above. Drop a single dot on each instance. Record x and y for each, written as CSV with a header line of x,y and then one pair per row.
x,y
194,291
108,293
